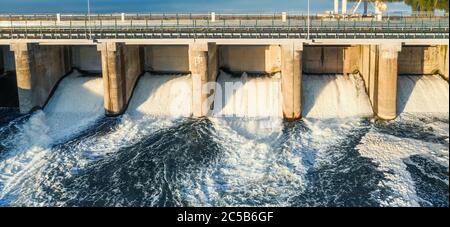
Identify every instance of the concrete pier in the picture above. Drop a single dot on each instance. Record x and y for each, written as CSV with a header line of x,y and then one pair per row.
x,y
446,60
385,102
38,69
121,67
198,64
291,77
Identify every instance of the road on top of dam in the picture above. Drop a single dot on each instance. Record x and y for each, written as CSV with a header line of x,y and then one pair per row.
x,y
229,27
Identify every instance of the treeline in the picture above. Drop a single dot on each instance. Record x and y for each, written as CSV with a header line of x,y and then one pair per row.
x,y
423,5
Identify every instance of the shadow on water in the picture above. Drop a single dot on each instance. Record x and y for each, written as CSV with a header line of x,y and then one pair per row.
x,y
146,173
431,181
10,122
347,179
417,129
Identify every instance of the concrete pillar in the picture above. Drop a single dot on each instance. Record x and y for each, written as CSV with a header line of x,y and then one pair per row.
x,y
58,17
122,17
213,17
38,70
385,105
291,77
198,65
446,60
121,67
24,63
336,6
284,16
344,6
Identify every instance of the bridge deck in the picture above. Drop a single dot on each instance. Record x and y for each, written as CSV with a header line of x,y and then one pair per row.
x,y
230,26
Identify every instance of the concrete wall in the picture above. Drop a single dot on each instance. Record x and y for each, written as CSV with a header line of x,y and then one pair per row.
x,y
167,58
38,69
8,81
121,66
7,62
323,59
251,59
2,62
421,60
86,58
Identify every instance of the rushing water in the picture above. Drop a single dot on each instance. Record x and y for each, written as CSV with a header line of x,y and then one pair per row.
x,y
69,155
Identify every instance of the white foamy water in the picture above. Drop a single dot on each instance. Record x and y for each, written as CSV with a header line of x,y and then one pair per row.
x,y
162,95
422,94
334,96
76,104
390,152
248,96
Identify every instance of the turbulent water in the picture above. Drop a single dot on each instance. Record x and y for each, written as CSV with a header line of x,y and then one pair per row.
x,y
69,155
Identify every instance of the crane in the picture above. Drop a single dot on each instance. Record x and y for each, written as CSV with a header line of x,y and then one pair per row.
x,y
379,7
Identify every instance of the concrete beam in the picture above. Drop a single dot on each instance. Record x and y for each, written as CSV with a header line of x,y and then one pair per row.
x,y
38,69
291,77
121,67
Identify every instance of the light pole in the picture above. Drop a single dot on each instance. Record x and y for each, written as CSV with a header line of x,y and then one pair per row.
x,y
308,21
89,18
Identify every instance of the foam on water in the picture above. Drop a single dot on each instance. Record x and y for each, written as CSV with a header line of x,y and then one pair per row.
x,y
334,96
157,103
244,155
422,94
391,153
77,103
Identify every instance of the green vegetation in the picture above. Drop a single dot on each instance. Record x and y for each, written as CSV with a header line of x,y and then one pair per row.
x,y
428,5
423,5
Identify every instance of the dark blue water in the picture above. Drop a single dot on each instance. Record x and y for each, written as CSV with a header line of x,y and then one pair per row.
x,y
173,6
144,161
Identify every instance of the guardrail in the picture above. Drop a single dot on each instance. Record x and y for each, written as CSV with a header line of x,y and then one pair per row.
x,y
223,26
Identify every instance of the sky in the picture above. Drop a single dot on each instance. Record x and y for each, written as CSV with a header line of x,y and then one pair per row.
x,y
171,6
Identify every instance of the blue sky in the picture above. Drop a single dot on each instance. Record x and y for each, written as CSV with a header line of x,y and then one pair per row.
x,y
229,6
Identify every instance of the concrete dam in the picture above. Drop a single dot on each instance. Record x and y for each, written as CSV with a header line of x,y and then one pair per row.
x,y
301,72
223,110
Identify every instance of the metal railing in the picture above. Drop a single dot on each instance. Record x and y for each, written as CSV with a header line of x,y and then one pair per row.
x,y
111,26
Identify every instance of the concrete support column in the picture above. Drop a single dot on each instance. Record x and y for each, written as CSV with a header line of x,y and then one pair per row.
x,y
23,53
385,105
291,77
198,65
38,69
121,67
445,73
